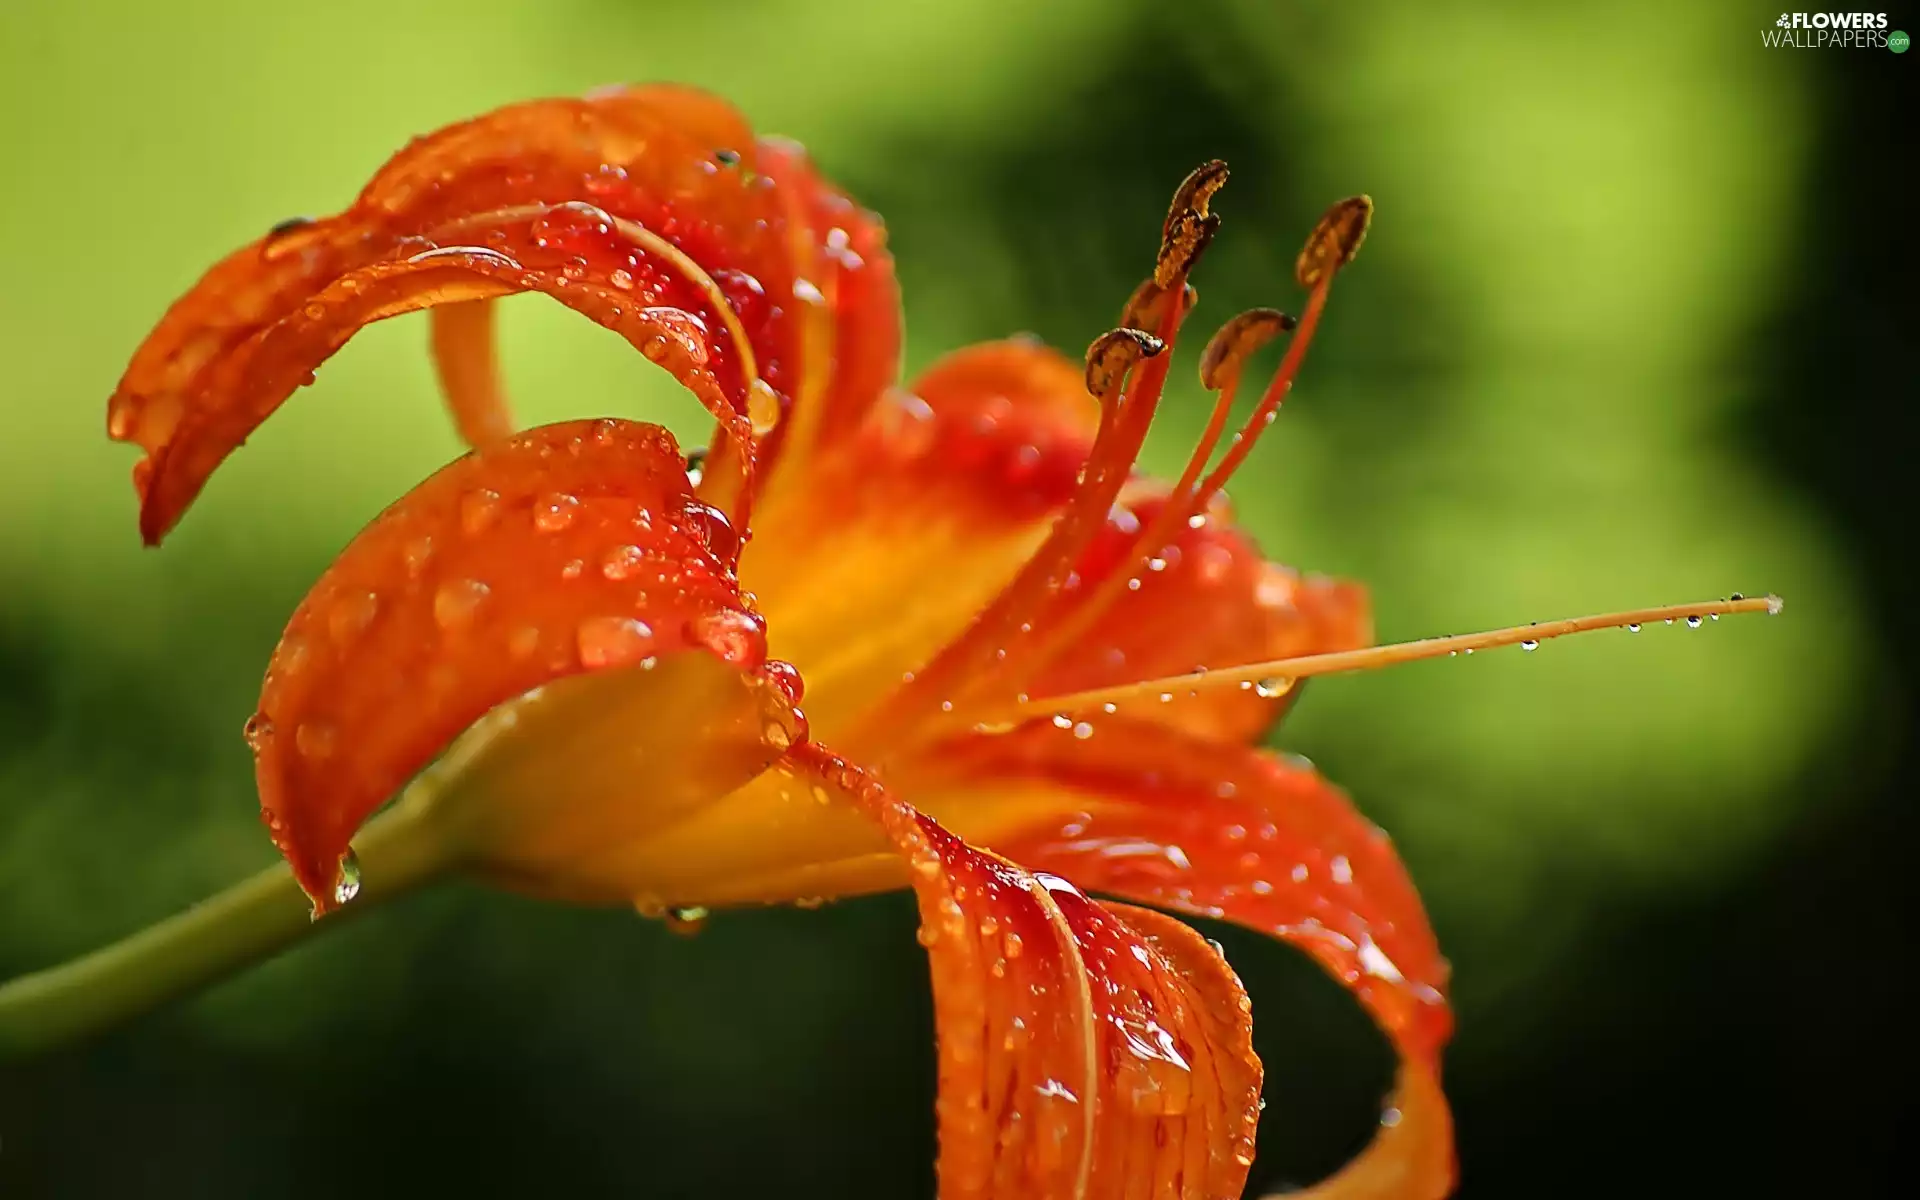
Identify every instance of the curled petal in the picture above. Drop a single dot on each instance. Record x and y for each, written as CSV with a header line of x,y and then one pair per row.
x,y
641,208
572,548
956,479
1149,813
1084,1050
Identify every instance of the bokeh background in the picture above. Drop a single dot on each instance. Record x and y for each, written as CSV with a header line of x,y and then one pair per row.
x,y
1634,325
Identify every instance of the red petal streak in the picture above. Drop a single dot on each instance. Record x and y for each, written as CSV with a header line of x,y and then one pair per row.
x,y
1084,1051
570,548
1215,830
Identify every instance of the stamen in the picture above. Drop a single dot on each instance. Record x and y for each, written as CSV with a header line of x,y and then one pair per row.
x,y
1189,225
1221,365
1278,675
982,657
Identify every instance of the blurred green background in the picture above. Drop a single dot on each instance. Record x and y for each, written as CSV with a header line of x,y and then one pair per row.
x,y
1626,332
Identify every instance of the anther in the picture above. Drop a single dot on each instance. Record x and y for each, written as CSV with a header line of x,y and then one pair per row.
x,y
1116,352
1189,226
1335,240
1228,349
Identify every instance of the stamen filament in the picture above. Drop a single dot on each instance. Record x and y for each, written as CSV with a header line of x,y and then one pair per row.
x,y
1369,658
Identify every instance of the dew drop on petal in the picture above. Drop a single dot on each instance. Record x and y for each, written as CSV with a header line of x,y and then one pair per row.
x,y
456,601
554,512
1082,730
315,740
763,407
613,641
478,510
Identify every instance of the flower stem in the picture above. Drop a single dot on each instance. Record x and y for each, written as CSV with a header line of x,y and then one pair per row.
x,y
247,923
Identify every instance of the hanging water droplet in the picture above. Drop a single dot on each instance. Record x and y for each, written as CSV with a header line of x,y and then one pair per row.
x,y
686,920
696,467
763,407
347,883
1529,644
1693,622
1634,628
1713,616
1736,597
1268,689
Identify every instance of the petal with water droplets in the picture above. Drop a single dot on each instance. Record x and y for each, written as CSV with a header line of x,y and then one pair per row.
x,y
458,598
1154,815
1084,1050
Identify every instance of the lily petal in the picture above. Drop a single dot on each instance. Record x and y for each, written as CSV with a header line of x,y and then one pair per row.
x,y
1152,814
956,479
1205,598
571,548
1085,1050
642,208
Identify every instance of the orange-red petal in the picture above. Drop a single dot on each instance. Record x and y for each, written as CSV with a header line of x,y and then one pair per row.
x,y
1085,1051
535,197
954,481
1207,598
571,548
1144,811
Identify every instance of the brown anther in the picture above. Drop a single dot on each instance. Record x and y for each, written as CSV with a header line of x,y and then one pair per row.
x,y
1189,226
1147,307
1335,240
1228,349
1114,353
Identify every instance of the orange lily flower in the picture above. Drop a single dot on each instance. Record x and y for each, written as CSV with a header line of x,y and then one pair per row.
x,y
1001,633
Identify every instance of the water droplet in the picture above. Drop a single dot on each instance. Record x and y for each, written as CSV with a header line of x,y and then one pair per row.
x,y
686,919
315,739
1082,730
1634,628
1011,946
347,884
613,641
455,602
696,467
926,935
1109,708
1166,697
258,732
763,407
523,641
777,735
478,510
621,278
555,511
737,638
1713,616
621,562
1529,644
1693,622
1268,689
1062,721
1197,521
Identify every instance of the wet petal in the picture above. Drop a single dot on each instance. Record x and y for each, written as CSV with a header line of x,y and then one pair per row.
x,y
906,528
1149,813
572,548
1084,1050
642,208
1206,598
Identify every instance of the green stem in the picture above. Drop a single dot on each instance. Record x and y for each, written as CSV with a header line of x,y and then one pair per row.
x,y
246,924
